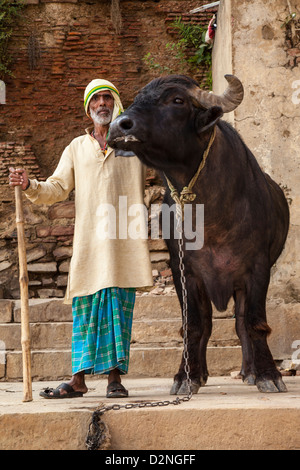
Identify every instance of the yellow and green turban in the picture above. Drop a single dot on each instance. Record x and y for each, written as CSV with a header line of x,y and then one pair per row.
x,y
101,85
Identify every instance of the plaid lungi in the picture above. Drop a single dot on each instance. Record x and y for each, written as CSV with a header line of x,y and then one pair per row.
x,y
101,336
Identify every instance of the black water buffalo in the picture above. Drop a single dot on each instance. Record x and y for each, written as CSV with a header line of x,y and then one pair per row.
x,y
246,217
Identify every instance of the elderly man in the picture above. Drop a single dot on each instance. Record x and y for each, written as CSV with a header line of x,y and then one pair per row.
x,y
104,270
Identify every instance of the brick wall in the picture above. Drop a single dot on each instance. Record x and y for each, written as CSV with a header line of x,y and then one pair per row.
x,y
57,49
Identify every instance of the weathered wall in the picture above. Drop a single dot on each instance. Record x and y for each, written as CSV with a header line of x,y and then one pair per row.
x,y
57,49
261,52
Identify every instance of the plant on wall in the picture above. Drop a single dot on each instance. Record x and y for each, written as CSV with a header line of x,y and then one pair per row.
x,y
186,54
10,10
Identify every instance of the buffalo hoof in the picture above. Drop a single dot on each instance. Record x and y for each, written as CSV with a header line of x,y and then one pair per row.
x,y
184,389
249,379
181,388
271,386
175,387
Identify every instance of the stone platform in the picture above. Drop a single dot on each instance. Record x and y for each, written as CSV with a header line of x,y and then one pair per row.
x,y
225,414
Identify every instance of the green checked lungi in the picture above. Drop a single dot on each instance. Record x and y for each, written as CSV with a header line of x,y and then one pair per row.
x,y
102,324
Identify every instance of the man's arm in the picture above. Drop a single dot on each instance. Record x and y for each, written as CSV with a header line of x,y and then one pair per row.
x,y
56,188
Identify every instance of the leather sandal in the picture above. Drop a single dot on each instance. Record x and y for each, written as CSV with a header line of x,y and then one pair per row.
x,y
116,390
55,392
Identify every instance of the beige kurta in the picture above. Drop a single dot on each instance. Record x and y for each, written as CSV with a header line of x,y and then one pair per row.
x,y
104,255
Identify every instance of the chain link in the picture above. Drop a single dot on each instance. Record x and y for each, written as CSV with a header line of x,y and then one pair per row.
x,y
179,219
95,437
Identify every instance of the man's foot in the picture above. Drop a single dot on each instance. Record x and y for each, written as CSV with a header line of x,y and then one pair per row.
x,y
74,388
116,390
64,390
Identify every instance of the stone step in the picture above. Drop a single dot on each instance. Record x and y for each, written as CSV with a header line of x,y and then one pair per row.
x,y
43,335
157,320
164,331
284,321
225,415
54,310
144,362
58,335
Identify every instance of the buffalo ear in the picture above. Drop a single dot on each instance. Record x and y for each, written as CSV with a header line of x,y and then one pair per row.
x,y
209,118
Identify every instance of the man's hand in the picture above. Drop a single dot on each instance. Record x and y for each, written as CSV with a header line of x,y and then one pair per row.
x,y
18,177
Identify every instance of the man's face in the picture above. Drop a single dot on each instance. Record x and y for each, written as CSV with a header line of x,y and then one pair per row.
x,y
101,107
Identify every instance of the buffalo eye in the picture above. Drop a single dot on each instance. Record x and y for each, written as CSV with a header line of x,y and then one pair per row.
x,y
178,101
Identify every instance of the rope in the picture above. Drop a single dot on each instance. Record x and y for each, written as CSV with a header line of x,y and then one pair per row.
x,y
187,194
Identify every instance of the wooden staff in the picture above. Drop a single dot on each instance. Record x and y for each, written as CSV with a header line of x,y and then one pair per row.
x,y
23,278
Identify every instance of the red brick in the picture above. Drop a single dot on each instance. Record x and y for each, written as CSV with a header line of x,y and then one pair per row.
x,y
43,231
60,230
62,210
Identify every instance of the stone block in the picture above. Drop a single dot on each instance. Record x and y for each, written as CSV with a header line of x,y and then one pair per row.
x,y
160,307
159,256
5,254
46,293
50,310
157,331
51,335
166,332
30,216
47,281
43,231
284,320
35,254
62,210
63,252
165,361
45,365
35,431
42,267
10,336
61,231
62,281
48,335
6,310
64,267
157,245
2,370
5,265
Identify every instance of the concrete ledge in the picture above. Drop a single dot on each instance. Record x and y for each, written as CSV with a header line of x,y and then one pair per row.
x,y
225,414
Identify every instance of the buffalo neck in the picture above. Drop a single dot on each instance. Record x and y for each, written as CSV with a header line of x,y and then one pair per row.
x,y
181,174
222,176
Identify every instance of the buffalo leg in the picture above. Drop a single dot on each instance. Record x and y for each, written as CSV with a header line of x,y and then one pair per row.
x,y
247,371
268,378
199,326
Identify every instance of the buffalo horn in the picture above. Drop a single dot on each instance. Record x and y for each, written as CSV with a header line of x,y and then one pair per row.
x,y
228,101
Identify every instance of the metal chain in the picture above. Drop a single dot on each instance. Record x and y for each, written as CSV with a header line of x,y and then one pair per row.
x,y
96,429
179,219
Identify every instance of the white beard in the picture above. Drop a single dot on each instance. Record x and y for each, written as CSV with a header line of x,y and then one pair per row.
x,y
101,119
